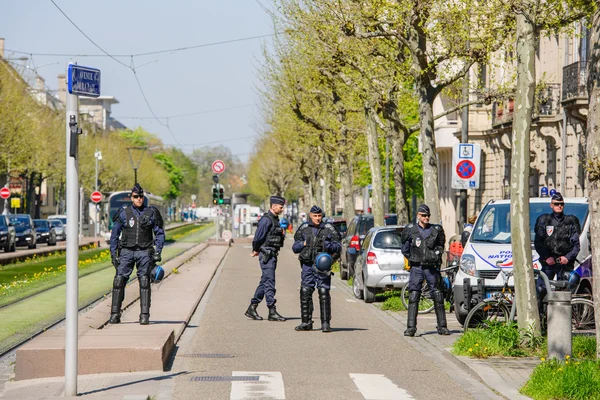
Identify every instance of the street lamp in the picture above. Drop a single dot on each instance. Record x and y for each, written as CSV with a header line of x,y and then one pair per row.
x,y
136,164
98,156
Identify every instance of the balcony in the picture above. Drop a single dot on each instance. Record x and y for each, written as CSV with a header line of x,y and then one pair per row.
x,y
502,112
547,102
575,81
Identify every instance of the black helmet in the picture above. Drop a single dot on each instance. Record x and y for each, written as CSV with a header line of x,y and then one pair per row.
x,y
157,274
323,262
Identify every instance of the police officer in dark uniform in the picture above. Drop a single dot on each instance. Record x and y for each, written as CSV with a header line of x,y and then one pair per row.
x,y
268,239
140,227
311,239
423,246
557,240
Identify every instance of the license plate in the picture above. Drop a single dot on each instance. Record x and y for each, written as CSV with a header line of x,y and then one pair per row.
x,y
400,278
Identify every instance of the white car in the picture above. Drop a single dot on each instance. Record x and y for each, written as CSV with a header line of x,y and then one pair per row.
x,y
61,217
380,263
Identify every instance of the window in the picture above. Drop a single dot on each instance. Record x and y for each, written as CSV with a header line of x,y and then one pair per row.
x,y
388,239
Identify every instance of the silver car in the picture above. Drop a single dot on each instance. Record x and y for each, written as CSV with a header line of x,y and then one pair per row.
x,y
59,228
380,264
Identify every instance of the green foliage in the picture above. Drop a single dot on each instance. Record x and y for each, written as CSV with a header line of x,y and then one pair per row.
x,y
393,303
571,380
175,174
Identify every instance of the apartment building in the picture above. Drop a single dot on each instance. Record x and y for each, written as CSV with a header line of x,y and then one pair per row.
x,y
558,131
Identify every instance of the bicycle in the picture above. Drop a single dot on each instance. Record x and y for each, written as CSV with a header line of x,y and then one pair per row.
x,y
426,303
501,307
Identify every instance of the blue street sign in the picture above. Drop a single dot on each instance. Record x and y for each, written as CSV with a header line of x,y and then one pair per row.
x,y
83,81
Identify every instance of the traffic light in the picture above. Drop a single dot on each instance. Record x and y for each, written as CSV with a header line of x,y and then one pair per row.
x,y
221,195
215,192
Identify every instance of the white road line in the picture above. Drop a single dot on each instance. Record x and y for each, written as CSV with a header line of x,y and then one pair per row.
x,y
268,386
378,387
350,301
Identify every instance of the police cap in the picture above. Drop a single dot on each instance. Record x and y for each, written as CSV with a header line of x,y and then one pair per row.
x,y
137,188
277,200
423,209
316,210
557,197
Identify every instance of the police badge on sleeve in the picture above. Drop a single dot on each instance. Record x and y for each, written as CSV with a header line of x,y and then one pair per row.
x,y
418,242
549,230
131,222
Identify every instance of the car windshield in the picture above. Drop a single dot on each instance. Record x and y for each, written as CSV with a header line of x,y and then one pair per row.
x,y
388,239
493,225
341,226
55,223
367,224
19,220
40,223
391,219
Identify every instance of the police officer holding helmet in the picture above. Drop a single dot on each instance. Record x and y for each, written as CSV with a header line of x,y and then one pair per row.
x,y
140,227
268,239
315,241
423,246
557,239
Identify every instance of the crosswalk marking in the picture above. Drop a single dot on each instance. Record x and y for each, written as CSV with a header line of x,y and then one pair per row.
x,y
268,386
378,387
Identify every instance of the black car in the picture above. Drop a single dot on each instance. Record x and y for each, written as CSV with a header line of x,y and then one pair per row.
x,y
8,235
351,243
45,233
25,230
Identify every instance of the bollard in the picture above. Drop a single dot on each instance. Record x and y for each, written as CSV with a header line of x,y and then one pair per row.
x,y
559,325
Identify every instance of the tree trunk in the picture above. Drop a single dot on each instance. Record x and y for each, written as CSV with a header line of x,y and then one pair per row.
x,y
347,185
327,177
307,193
593,161
527,311
427,136
397,139
375,165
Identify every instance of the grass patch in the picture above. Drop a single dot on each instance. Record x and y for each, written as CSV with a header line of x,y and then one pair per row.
x,y
499,340
393,303
335,267
350,281
569,380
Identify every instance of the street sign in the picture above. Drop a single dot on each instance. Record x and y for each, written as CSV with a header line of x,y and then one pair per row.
x,y
226,235
15,202
5,193
466,159
218,166
96,197
84,81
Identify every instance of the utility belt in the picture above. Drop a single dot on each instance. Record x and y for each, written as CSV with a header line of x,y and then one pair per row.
x,y
419,265
268,253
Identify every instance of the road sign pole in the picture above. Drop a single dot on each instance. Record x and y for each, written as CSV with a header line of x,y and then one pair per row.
x,y
462,214
72,254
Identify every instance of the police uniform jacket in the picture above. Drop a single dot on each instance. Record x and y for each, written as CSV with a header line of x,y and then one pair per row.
x,y
423,246
137,226
319,238
269,233
556,235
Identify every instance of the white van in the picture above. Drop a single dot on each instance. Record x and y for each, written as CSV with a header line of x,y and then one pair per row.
x,y
489,247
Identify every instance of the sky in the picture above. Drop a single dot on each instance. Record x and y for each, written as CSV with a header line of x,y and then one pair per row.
x,y
223,77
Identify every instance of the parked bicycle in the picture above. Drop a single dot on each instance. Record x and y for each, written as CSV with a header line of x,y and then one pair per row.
x,y
501,307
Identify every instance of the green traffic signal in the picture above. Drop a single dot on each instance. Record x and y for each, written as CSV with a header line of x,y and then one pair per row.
x,y
221,201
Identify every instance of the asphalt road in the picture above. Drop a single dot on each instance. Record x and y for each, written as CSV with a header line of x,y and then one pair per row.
x,y
225,355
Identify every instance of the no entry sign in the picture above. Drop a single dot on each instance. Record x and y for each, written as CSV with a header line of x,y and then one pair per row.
x,y
96,197
5,193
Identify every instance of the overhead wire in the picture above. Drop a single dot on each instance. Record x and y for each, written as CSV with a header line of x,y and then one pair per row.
x,y
194,113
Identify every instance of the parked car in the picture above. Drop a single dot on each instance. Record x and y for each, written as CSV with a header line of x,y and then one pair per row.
x,y
44,232
8,235
351,243
61,217
380,263
25,230
59,228
341,226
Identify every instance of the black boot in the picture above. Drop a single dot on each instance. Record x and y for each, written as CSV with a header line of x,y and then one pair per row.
x,y
306,309
144,300
440,313
413,309
251,312
118,294
274,315
325,303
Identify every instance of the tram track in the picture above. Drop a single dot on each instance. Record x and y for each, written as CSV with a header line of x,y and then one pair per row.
x,y
7,348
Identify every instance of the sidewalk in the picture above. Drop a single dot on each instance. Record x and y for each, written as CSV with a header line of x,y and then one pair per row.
x,y
505,376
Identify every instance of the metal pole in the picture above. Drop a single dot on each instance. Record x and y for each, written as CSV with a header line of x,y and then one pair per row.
x,y
135,176
72,290
563,156
96,225
81,212
462,217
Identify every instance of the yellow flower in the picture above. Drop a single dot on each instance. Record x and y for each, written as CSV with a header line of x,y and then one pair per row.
x,y
470,349
476,344
566,362
542,359
567,356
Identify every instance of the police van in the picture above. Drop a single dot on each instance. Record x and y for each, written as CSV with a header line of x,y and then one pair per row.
x,y
488,248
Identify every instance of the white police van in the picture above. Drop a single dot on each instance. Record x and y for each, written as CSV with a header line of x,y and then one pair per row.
x,y
488,249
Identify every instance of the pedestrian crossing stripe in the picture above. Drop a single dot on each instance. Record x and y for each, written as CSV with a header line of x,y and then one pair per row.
x,y
269,385
378,387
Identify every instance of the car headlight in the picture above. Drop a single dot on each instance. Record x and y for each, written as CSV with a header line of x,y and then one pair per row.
x,y
467,264
45,233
